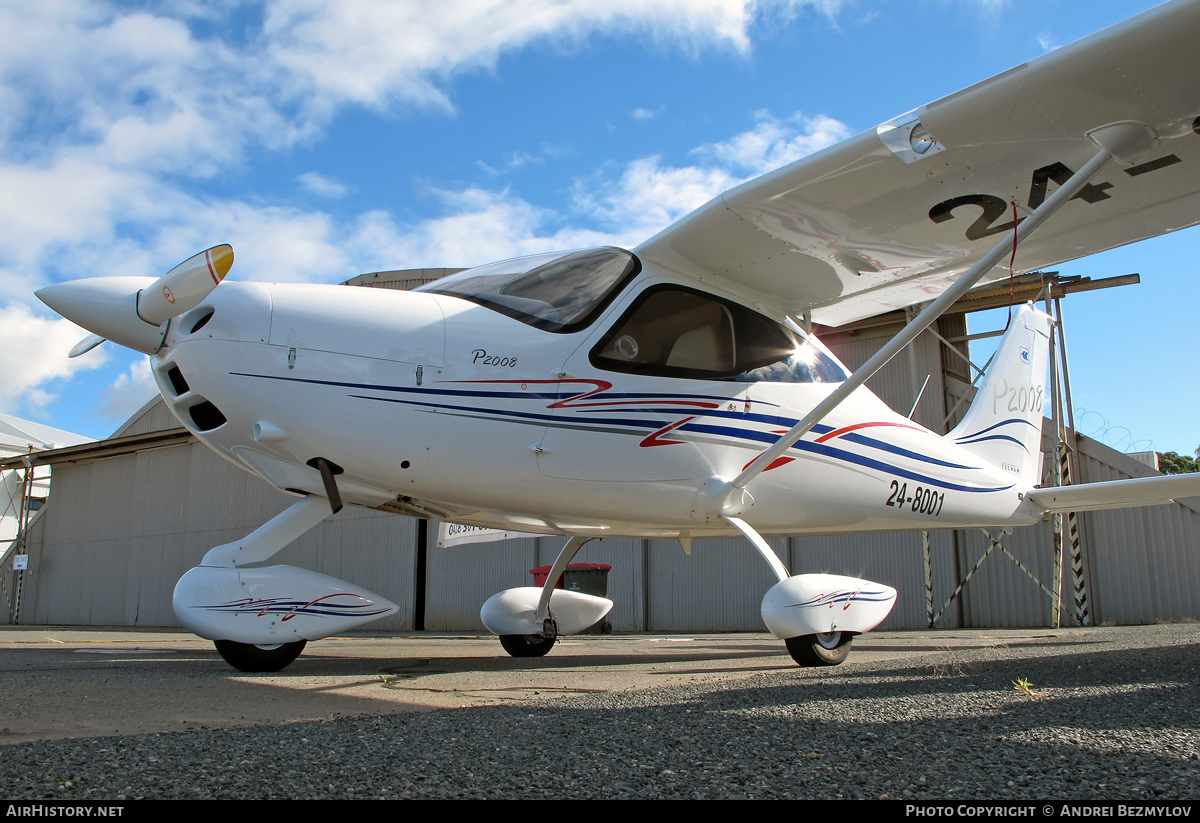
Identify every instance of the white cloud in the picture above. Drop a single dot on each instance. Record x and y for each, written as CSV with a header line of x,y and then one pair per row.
x,y
775,142
321,185
128,393
127,103
647,197
646,114
108,114
480,226
33,357
349,51
1047,41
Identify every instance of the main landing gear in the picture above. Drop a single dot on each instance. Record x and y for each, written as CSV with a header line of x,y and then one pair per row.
x,y
250,658
828,649
527,645
817,615
530,619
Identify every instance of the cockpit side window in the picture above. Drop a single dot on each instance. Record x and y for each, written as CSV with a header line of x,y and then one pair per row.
x,y
674,331
558,292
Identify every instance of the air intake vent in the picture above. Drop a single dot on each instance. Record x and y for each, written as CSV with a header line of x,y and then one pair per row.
x,y
206,416
177,382
204,318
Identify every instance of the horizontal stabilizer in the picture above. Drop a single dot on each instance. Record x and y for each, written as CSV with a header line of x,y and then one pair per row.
x,y
1116,494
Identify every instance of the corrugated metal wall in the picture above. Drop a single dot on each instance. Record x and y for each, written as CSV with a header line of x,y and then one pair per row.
x,y
1144,564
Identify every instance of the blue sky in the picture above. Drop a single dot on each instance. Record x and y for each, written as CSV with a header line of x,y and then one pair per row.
x,y
324,140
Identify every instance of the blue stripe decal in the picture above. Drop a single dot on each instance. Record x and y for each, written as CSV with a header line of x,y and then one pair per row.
x,y
553,395
840,454
862,440
653,425
963,437
1024,448
847,596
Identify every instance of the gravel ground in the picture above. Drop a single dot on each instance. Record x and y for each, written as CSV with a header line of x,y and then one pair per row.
x,y
1103,719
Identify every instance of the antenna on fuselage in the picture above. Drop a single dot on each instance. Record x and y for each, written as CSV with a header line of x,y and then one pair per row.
x,y
920,394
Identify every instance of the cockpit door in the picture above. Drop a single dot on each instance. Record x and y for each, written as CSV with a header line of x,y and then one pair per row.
x,y
634,403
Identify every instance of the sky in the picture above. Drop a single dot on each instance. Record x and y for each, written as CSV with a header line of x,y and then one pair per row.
x,y
323,140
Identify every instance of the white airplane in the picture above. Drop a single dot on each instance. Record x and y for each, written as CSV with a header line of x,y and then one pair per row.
x,y
675,390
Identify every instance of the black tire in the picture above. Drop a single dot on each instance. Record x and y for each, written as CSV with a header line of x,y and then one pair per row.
x,y
249,658
820,649
526,645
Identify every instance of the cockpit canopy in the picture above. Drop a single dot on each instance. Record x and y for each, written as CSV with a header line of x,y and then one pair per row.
x,y
558,292
668,330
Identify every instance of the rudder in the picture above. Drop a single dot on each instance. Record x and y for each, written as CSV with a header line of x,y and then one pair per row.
x,y
1004,423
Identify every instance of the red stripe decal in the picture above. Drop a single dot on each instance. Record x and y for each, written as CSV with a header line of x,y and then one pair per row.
x,y
776,463
211,271
653,439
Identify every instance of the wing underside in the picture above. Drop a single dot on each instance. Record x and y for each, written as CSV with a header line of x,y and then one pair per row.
x,y
874,224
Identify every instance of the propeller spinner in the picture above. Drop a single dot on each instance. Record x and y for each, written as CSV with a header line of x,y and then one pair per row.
x,y
131,310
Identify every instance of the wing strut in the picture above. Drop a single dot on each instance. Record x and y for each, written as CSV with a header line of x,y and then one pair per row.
x,y
721,493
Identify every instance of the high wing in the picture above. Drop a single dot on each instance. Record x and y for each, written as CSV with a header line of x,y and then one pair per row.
x,y
892,216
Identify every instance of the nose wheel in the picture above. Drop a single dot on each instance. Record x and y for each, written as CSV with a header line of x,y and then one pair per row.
x,y
828,649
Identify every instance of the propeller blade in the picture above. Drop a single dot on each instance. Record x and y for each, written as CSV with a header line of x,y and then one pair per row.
x,y
86,345
185,286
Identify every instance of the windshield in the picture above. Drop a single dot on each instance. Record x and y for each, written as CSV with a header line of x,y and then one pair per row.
x,y
559,292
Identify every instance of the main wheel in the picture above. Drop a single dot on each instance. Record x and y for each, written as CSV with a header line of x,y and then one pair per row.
x,y
526,645
827,649
249,658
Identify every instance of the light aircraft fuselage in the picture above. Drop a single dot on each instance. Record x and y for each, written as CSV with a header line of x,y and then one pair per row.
x,y
453,406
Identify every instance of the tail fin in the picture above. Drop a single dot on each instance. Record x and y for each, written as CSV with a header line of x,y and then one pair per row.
x,y
1004,423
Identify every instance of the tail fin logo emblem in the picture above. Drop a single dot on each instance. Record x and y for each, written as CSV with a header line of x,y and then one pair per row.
x,y
1025,356
167,294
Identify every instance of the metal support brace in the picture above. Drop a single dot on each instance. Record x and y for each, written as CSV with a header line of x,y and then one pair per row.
x,y
763,547
1056,414
271,536
958,589
1067,445
1056,608
954,350
556,571
1024,568
994,544
1072,520
927,557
